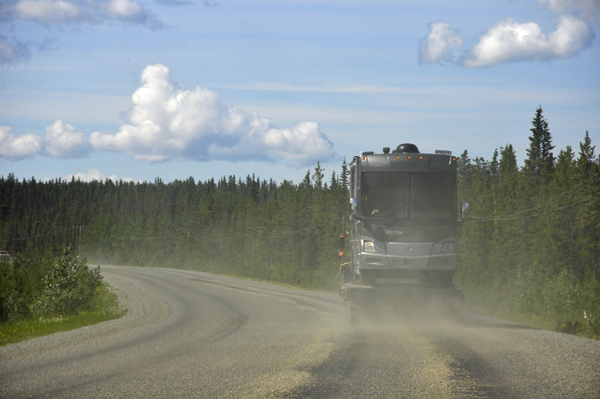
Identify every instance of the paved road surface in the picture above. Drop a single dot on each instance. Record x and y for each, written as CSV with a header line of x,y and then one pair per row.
x,y
190,334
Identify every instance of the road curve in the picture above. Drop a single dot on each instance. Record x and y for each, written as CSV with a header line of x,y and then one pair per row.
x,y
196,335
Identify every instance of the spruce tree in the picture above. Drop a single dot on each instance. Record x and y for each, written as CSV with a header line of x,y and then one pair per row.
x,y
508,161
344,175
540,161
586,156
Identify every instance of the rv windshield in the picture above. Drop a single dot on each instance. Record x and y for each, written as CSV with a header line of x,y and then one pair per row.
x,y
408,195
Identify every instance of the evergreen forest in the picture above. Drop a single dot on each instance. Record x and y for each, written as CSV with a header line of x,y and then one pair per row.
x,y
246,227
530,246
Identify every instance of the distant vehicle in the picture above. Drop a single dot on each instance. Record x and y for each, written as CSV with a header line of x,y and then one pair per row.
x,y
4,255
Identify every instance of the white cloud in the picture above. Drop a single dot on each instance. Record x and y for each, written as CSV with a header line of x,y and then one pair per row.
x,y
61,12
571,36
439,44
12,53
170,122
174,2
63,141
14,148
510,41
95,174
586,9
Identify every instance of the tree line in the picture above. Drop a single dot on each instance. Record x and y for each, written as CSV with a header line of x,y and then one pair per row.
x,y
250,227
531,244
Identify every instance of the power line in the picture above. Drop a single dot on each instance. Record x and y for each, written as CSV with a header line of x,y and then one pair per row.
x,y
146,238
553,200
230,238
501,219
40,235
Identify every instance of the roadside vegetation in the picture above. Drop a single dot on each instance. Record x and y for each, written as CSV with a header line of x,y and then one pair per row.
x,y
45,294
282,232
530,251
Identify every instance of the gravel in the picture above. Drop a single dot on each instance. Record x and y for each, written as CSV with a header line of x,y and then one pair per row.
x,y
191,334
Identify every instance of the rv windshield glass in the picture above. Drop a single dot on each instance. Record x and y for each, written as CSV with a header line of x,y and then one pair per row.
x,y
408,195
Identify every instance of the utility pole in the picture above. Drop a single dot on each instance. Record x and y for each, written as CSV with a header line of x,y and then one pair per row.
x,y
80,228
253,242
342,240
253,229
187,250
495,207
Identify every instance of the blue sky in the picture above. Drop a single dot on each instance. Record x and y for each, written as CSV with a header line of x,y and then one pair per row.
x,y
130,89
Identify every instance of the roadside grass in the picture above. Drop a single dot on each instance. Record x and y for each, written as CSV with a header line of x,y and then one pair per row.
x,y
529,321
106,308
552,324
574,326
559,303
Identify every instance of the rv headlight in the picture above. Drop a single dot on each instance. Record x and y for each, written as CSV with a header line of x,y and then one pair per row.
x,y
369,246
448,247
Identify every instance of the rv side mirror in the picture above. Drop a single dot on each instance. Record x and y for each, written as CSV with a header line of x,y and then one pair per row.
x,y
353,202
464,209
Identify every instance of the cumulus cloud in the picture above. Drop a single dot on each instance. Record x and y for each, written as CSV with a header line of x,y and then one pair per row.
x,y
170,122
18,147
13,51
439,45
586,9
96,175
64,12
510,41
63,141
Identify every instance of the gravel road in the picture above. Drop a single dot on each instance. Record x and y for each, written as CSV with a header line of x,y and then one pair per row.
x,y
196,335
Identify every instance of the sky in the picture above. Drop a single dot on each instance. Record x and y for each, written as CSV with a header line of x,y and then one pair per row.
x,y
135,89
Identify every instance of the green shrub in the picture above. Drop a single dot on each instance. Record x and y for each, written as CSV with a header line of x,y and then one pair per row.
x,y
557,302
20,283
68,286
